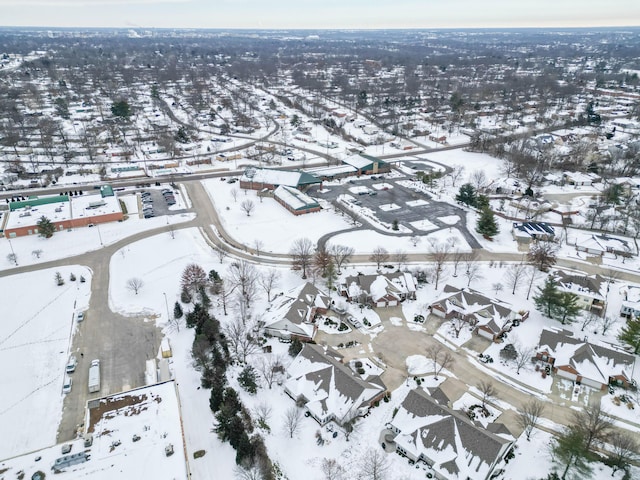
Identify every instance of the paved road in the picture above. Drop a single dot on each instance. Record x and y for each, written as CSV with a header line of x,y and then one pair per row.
x,y
123,344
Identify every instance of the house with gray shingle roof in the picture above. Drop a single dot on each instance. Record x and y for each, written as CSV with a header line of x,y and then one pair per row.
x,y
293,314
448,441
582,362
491,317
329,389
382,290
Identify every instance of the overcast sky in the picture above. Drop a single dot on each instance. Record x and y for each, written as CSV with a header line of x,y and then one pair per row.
x,y
320,13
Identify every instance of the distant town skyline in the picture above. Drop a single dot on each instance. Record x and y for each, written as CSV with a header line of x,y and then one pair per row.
x,y
313,14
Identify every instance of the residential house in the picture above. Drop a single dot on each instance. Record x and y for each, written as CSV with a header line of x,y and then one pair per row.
x,y
526,232
426,430
329,389
293,314
599,244
491,318
382,290
630,301
587,288
584,363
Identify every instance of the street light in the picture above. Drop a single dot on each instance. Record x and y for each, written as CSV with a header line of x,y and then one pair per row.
x,y
166,304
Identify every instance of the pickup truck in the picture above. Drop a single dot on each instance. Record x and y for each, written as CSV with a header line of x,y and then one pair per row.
x,y
94,376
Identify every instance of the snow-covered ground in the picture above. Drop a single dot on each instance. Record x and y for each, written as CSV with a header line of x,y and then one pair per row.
x,y
35,340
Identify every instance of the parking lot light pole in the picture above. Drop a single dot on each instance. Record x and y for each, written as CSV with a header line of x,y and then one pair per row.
x,y
15,259
166,304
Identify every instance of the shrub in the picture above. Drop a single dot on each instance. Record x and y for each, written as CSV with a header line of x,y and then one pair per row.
x,y
358,364
72,277
199,453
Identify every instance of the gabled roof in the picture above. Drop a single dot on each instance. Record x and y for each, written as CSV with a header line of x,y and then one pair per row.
x,y
278,177
486,311
588,285
447,438
379,286
591,361
292,312
329,386
533,229
294,198
362,161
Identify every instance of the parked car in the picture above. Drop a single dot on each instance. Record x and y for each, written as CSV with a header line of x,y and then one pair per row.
x,y
71,364
66,386
80,316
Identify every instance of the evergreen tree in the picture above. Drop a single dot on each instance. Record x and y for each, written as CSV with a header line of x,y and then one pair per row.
x,y
630,334
217,393
567,308
46,229
121,109
248,379
177,311
487,224
295,347
548,297
570,452
467,195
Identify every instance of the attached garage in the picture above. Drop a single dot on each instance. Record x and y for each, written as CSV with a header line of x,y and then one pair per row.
x,y
568,375
592,383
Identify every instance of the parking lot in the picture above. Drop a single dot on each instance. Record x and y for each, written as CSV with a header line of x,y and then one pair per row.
x,y
157,201
418,211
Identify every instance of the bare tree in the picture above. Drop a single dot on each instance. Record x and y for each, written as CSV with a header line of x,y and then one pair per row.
x,y
262,413
291,420
533,274
593,423
400,258
623,452
234,194
543,255
341,255
374,465
440,357
415,240
439,255
269,280
524,355
248,206
135,284
302,253
469,258
243,277
487,390
529,416
379,256
250,471
456,173
332,470
321,262
515,276
241,339
587,319
37,253
497,288
478,179
456,257
270,367
457,324
257,246
473,273
606,323
221,252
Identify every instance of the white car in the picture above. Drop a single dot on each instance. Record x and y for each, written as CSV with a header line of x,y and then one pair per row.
x,y
80,316
71,365
66,387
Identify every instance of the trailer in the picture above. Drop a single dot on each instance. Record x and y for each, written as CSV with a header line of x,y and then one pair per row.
x,y
94,376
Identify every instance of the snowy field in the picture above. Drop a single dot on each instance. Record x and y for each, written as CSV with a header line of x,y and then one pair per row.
x,y
35,338
269,223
